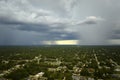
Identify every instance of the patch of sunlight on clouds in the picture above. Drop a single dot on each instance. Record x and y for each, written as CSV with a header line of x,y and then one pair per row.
x,y
61,42
114,41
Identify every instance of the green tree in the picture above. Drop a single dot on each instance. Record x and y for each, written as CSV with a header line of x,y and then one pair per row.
x,y
17,75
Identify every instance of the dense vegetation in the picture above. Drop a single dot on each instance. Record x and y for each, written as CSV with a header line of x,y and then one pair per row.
x,y
70,56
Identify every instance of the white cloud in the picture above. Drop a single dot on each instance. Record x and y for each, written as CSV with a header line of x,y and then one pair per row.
x,y
91,20
13,11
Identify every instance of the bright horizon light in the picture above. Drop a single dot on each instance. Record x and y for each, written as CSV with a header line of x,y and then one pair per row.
x,y
76,42
61,42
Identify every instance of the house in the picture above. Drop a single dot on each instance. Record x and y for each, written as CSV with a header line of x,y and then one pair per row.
x,y
90,78
78,77
38,76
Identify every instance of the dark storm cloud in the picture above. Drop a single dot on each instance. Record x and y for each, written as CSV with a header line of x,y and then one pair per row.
x,y
90,22
61,36
33,21
38,28
115,34
9,21
25,26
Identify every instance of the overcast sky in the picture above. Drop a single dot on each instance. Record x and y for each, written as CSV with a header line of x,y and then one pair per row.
x,y
35,22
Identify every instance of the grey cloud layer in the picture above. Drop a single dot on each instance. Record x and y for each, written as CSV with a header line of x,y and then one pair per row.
x,y
58,19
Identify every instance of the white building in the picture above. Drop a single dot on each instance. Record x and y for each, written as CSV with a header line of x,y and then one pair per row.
x,y
38,76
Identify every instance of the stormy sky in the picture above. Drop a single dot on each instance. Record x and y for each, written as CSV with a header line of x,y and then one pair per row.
x,y
39,22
